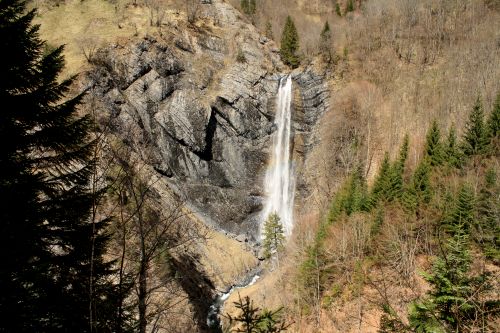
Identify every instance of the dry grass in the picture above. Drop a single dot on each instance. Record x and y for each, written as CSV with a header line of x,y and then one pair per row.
x,y
225,260
81,25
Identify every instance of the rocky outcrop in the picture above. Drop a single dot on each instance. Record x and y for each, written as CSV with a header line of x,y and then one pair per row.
x,y
203,119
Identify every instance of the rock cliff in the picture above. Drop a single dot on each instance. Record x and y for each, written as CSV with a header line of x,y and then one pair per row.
x,y
197,103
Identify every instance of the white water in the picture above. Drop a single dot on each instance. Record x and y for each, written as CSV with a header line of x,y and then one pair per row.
x,y
280,181
214,310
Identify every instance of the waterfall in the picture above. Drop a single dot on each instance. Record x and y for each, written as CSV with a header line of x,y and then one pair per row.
x,y
280,181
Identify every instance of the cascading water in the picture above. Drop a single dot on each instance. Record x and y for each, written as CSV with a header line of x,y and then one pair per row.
x,y
280,181
279,186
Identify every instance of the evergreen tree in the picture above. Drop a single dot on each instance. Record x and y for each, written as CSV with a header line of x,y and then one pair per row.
x,y
251,319
395,179
252,7
462,215
356,198
494,120
403,151
245,6
488,223
451,151
377,222
433,148
274,237
419,191
454,300
380,185
249,7
337,9
475,140
325,40
349,6
53,276
290,44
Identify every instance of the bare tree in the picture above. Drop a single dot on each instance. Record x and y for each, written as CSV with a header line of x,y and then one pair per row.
x,y
156,12
192,9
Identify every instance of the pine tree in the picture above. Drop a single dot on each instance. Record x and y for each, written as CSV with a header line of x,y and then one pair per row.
x,y
453,302
290,44
252,7
494,126
349,6
381,183
356,198
494,120
488,224
395,179
325,40
245,6
249,7
274,235
53,274
475,140
420,191
251,319
433,148
377,222
403,151
462,215
452,153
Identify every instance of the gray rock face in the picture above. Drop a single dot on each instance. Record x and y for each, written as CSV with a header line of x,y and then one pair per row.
x,y
203,120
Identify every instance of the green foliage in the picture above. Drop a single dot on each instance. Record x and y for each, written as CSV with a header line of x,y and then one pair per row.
x,y
378,221
462,216
494,120
325,40
453,301
419,191
356,198
269,30
314,272
337,9
388,185
403,151
53,274
252,7
274,237
240,56
252,319
381,181
245,6
352,196
452,153
433,148
290,44
390,322
487,226
422,318
349,6
248,7
395,183
475,139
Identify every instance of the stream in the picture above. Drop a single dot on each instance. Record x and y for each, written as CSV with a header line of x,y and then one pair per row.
x,y
213,320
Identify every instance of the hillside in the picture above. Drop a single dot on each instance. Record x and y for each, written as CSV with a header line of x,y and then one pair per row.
x,y
390,178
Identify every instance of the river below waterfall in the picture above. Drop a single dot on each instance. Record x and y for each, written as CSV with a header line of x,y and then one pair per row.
x,y
213,320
